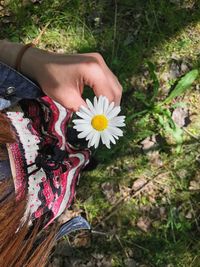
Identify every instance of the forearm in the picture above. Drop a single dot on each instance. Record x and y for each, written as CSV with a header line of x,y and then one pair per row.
x,y
29,62
9,52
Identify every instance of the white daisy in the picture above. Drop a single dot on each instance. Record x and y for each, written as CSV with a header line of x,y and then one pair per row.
x,y
99,121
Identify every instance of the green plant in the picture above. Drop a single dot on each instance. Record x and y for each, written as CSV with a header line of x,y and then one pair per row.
x,y
161,111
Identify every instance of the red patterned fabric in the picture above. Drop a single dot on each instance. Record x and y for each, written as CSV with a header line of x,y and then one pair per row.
x,y
45,166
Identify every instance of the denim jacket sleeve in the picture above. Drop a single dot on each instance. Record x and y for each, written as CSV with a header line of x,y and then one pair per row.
x,y
14,87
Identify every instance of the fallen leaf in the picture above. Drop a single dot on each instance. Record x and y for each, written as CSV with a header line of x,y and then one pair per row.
x,y
144,224
149,143
109,190
139,183
82,239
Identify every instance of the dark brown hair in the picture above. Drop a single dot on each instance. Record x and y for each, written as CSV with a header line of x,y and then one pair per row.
x,y
19,245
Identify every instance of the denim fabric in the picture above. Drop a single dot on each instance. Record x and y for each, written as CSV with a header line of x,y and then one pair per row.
x,y
4,103
22,87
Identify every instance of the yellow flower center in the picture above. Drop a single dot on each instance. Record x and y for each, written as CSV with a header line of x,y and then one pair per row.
x,y
99,122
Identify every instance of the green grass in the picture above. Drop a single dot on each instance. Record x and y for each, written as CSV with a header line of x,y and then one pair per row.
x,y
128,34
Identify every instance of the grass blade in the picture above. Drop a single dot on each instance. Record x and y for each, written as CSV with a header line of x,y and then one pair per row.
x,y
153,76
184,83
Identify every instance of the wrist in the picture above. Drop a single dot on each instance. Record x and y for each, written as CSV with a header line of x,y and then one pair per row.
x,y
9,52
30,61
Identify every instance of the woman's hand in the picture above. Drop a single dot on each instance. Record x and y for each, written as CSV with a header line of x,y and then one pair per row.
x,y
62,77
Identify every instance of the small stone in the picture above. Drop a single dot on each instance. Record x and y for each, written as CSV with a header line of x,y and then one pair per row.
x,y
181,116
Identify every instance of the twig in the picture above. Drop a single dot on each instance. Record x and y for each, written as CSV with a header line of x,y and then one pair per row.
x,y
37,39
125,252
194,259
192,135
99,233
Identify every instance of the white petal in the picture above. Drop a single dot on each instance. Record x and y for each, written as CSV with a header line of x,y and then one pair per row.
x,y
114,112
94,139
80,121
97,140
115,131
105,139
110,136
86,110
83,115
115,136
91,107
118,119
95,103
106,105
82,127
117,124
84,134
100,105
90,135
90,143
111,106
102,138
112,139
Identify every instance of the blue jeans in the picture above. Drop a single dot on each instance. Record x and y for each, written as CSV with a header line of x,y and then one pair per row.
x,y
14,87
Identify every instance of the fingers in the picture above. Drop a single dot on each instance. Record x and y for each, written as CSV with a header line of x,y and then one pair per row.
x,y
74,103
64,79
99,77
69,98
